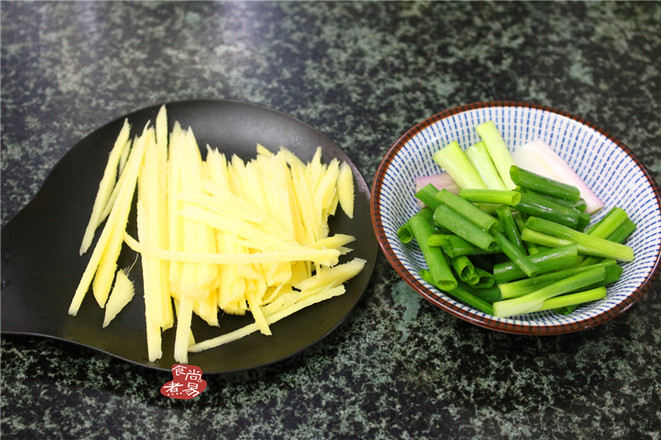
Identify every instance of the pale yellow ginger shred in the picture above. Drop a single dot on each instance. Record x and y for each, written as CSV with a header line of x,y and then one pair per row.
x,y
271,319
107,184
121,294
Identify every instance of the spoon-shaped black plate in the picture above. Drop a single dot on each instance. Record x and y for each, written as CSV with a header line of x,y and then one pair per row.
x,y
41,266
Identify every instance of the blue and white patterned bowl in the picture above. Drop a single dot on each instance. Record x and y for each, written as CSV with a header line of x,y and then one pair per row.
x,y
607,166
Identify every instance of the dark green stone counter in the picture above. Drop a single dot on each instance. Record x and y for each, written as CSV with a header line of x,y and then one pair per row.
x,y
361,73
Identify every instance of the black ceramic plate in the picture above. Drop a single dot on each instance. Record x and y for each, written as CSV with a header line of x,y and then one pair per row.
x,y
41,266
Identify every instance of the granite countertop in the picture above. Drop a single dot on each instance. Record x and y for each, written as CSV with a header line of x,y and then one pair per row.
x,y
362,74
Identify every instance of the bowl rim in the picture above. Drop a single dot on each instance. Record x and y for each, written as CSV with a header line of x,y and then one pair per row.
x,y
481,319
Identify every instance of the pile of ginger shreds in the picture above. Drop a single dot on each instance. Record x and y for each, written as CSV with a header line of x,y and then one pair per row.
x,y
215,234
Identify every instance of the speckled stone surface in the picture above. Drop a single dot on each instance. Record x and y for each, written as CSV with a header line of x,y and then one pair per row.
x,y
361,73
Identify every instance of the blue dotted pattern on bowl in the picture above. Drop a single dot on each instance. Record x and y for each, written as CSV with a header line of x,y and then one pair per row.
x,y
608,169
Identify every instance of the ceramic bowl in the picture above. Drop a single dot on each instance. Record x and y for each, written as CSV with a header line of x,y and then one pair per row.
x,y
606,165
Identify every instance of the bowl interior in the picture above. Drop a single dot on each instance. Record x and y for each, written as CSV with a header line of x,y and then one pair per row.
x,y
606,165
